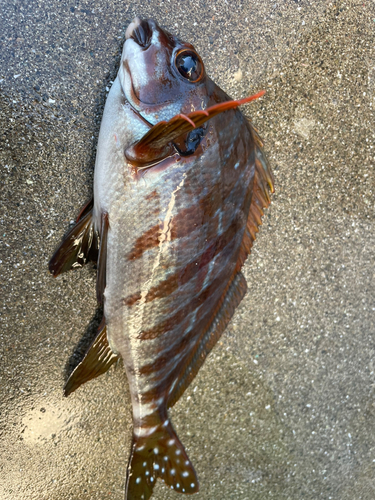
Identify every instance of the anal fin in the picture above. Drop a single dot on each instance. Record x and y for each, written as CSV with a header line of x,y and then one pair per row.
x,y
97,361
231,299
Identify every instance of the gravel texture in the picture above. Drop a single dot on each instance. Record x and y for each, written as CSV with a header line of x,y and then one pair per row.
x,y
284,406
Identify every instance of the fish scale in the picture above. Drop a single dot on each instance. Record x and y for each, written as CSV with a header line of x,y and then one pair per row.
x,y
182,264
180,185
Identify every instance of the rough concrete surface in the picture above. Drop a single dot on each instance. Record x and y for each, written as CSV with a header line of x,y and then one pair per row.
x,y
284,407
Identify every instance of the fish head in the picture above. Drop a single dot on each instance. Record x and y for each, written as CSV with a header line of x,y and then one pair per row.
x,y
159,72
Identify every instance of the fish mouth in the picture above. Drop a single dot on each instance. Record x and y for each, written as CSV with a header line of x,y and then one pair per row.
x,y
134,100
140,31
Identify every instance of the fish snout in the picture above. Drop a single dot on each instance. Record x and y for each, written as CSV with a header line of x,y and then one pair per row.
x,y
140,30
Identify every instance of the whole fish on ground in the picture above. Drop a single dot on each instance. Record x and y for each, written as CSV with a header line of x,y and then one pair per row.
x,y
180,185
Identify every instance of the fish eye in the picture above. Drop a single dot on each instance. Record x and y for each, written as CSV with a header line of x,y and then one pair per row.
x,y
189,65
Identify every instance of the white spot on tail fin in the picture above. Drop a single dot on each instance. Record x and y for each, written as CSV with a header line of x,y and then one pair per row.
x,y
138,480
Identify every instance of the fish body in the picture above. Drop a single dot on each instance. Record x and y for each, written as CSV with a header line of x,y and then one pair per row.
x,y
179,191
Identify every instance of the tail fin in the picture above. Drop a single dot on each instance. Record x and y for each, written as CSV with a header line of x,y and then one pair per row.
x,y
158,453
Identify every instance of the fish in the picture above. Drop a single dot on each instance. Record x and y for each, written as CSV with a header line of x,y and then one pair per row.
x,y
181,182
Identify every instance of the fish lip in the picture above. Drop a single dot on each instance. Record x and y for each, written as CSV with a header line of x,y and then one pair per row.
x,y
141,31
133,96
133,108
132,26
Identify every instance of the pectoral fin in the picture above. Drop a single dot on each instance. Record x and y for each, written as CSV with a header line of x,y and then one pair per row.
x,y
97,361
156,143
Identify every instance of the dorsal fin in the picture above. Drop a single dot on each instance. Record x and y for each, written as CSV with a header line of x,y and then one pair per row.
x,y
156,143
262,184
228,304
85,209
79,246
98,359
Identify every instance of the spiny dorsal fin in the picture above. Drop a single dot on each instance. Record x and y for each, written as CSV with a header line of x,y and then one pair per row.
x,y
230,300
85,209
97,361
263,184
78,247
156,143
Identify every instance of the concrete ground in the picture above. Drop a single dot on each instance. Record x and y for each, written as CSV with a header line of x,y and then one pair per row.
x,y
284,407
